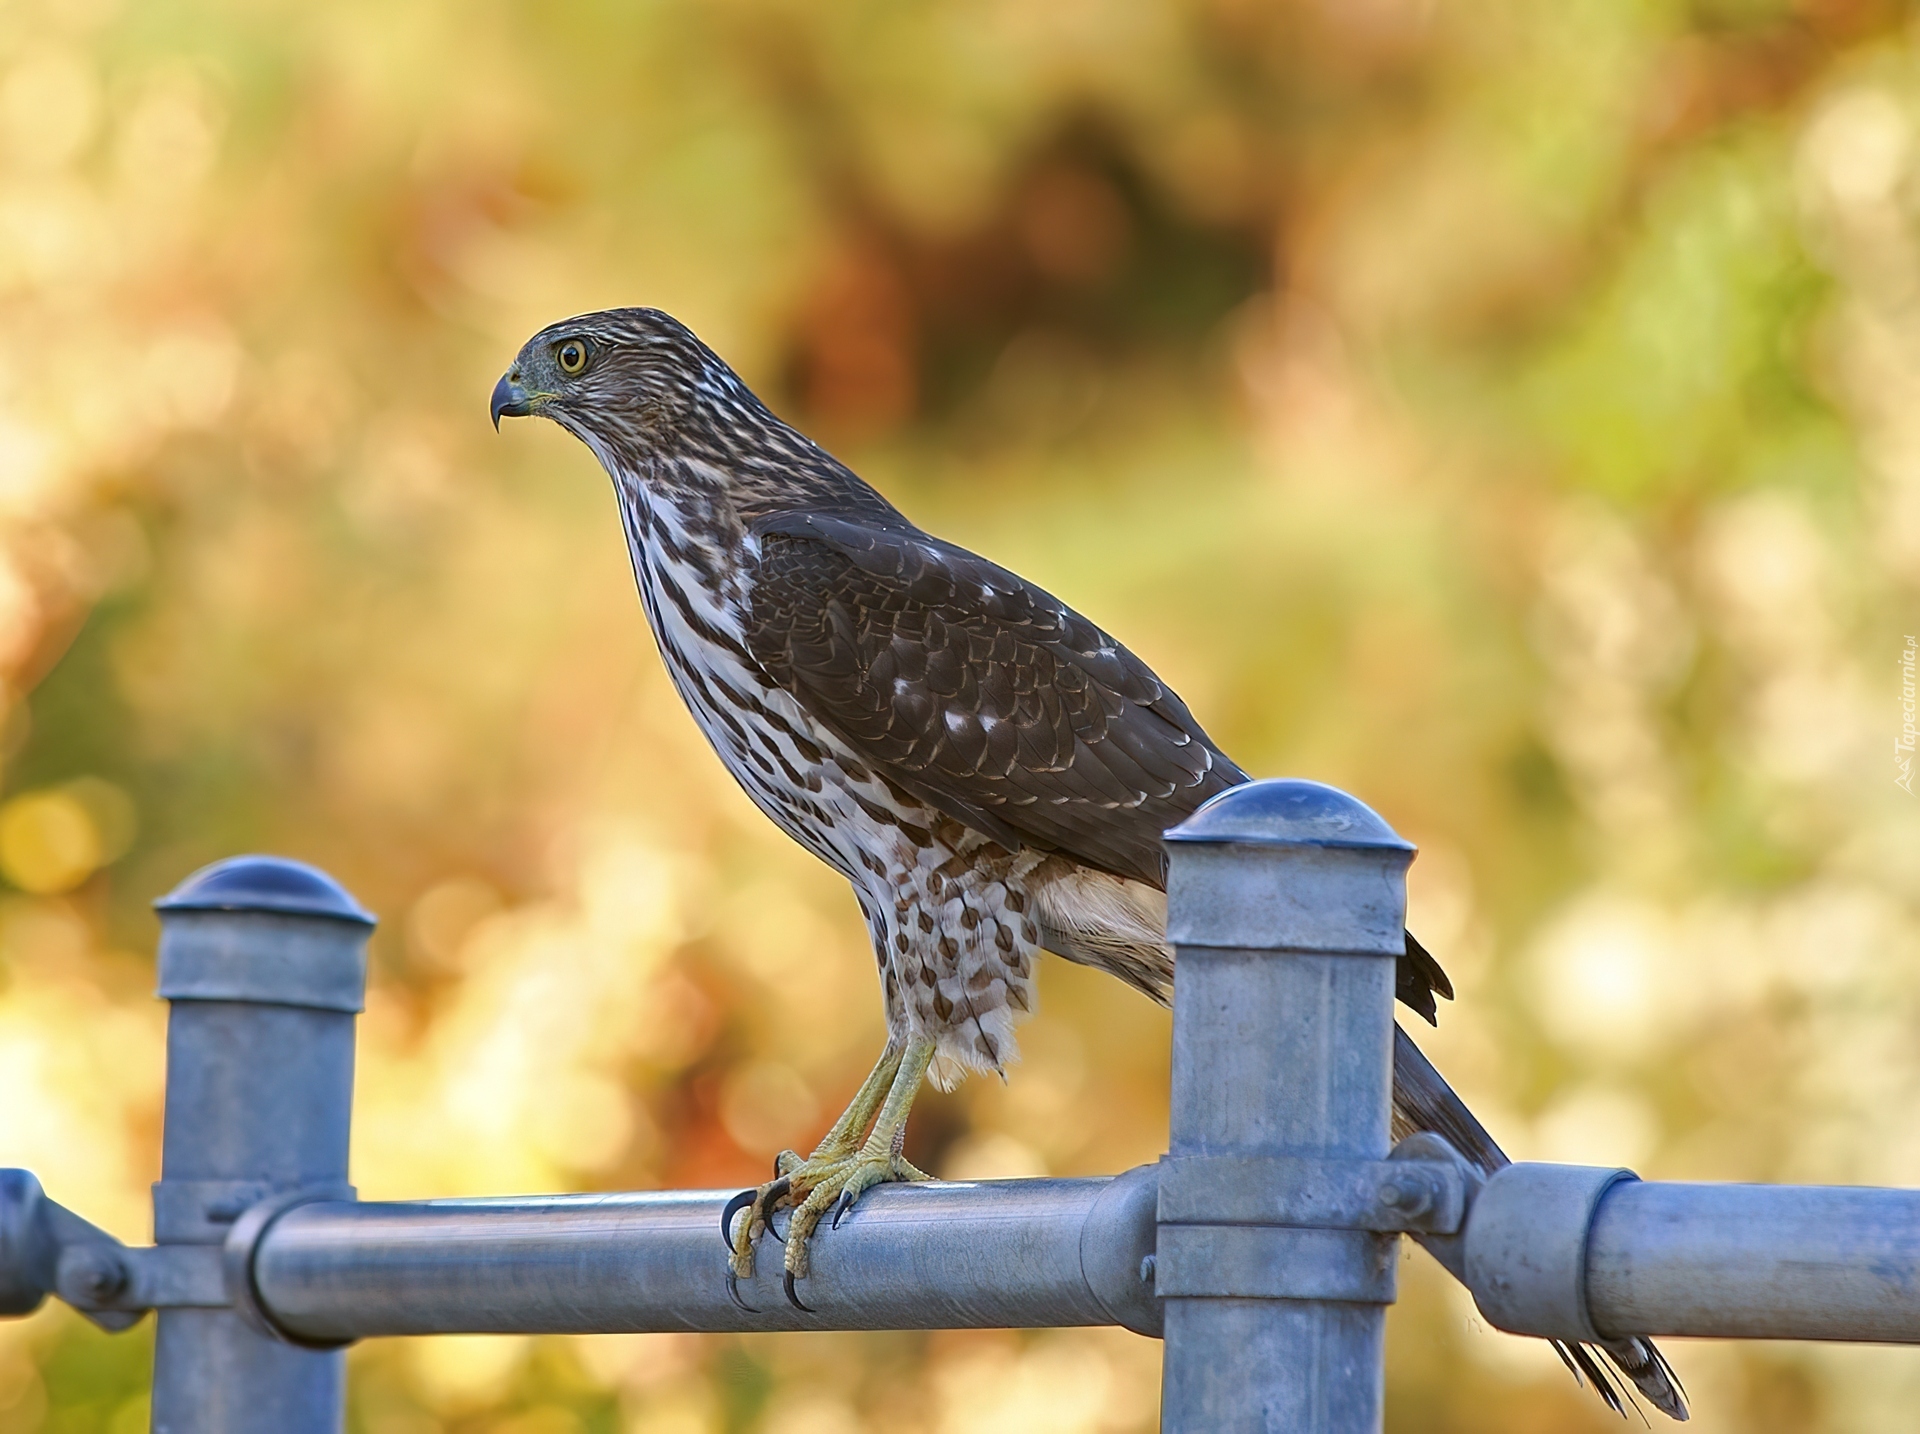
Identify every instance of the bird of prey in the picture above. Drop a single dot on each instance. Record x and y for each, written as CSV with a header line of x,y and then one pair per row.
x,y
991,771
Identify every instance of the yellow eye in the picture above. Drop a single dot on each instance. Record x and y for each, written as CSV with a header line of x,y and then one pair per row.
x,y
572,356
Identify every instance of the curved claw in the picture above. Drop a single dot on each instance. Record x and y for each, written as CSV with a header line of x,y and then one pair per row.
x,y
793,1297
840,1208
770,1196
745,1197
773,1231
733,1292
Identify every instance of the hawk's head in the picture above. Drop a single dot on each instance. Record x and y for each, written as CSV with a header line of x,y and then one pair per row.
x,y
628,382
659,407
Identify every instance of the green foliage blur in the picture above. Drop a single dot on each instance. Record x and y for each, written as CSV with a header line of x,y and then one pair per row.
x,y
1509,412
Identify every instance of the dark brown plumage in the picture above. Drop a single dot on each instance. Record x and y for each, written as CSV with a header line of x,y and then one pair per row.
x,y
979,693
990,770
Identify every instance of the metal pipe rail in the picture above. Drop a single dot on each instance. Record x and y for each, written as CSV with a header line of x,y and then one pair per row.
x,y
1261,1248
996,1254
1758,1262
1660,1259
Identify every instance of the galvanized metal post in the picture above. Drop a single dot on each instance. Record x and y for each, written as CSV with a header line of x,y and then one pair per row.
x,y
1286,903
264,961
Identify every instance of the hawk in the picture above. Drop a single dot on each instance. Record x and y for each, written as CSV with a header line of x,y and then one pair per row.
x,y
990,770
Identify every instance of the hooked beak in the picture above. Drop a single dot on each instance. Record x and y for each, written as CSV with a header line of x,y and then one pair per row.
x,y
510,401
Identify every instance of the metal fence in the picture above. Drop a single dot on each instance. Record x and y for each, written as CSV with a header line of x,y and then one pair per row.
x,y
1262,1248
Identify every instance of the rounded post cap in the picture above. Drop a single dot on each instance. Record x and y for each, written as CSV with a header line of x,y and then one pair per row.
x,y
1289,811
272,884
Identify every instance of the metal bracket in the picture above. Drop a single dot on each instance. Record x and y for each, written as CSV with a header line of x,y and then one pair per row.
x,y
236,1258
202,1212
1384,1196
47,1249
1526,1247
130,1280
1450,1250
1295,1227
1117,1239
1274,1262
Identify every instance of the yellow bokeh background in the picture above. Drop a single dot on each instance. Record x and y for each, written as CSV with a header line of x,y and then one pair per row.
x,y
1508,412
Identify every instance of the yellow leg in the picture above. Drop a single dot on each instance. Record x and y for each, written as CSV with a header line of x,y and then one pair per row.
x,y
841,1167
844,1138
877,1160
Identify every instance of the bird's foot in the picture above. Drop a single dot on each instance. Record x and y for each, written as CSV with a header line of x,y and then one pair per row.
x,y
810,1189
833,1177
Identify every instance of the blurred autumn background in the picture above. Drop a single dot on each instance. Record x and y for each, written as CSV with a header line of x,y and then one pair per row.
x,y
1510,412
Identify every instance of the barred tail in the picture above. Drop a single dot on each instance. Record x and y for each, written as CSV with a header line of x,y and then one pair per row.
x,y
1422,1100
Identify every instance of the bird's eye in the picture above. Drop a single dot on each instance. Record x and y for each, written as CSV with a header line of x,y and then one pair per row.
x,y
572,356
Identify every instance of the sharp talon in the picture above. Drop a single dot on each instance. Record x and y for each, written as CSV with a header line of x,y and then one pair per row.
x,y
771,1196
773,1232
793,1298
745,1197
845,1204
733,1292
777,1171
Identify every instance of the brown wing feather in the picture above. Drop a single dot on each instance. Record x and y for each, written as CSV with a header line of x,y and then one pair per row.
x,y
979,692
